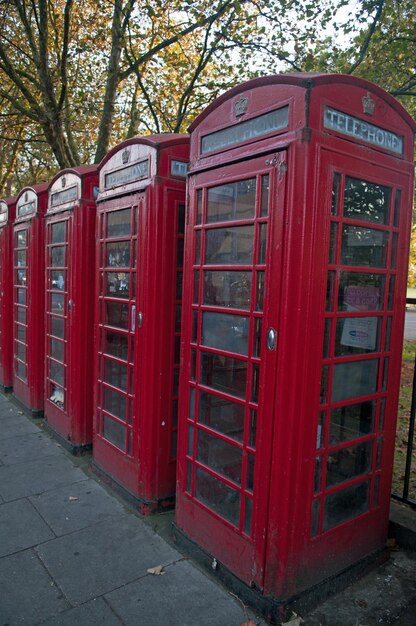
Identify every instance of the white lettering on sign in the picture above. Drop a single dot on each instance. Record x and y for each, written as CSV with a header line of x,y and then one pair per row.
x,y
127,174
67,195
354,127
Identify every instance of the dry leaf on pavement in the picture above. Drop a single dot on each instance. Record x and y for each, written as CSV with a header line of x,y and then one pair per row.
x,y
156,571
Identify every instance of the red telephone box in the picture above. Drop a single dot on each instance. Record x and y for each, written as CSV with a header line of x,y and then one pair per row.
x,y
7,215
70,301
141,213
295,270
28,298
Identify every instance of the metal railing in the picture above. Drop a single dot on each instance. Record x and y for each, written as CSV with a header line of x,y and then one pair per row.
x,y
404,496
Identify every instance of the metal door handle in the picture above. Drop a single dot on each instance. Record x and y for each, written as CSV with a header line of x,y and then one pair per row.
x,y
271,339
139,319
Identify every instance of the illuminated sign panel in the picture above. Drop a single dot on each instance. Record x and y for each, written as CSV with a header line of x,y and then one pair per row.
x,y
354,127
67,195
127,174
256,127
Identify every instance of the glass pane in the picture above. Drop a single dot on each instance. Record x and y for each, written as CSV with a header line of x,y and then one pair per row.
x,y
114,432
197,247
117,314
220,456
390,302
366,201
330,292
57,396
348,463
225,332
115,374
57,372
262,244
233,201
21,370
352,380
117,284
357,335
199,206
20,351
58,232
223,415
257,336
346,504
260,291
252,428
57,350
117,254
178,318
219,497
250,471
179,285
115,344
335,194
324,384
327,339
364,246
21,258
21,296
397,200
229,246
230,289
224,374
21,332
321,430
57,280
255,381
58,327
179,252
21,315
114,403
196,286
265,188
57,256
333,243
317,475
21,238
394,244
21,277
352,421
57,303
119,223
360,292
316,508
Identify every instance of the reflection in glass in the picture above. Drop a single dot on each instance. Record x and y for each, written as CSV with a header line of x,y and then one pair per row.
x,y
257,336
118,284
21,277
57,256
320,434
355,379
21,238
20,332
364,246
252,428
196,287
390,302
20,351
250,471
366,201
58,232
394,244
57,372
21,314
224,374
218,496
324,384
58,327
327,339
57,303
330,292
222,415
21,296
115,403
357,335
57,350
335,193
57,280
115,374
333,243
21,371
352,421
114,432
117,314
225,332
360,292
260,291
255,381
229,246
346,504
265,188
119,223
21,258
220,456
199,206
262,244
348,463
197,247
118,254
115,344
232,201
227,288
318,475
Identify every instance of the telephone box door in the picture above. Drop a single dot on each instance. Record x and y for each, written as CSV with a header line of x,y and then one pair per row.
x,y
58,310
118,322
230,359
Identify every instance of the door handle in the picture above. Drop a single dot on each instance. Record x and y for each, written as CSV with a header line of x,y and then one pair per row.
x,y
139,319
271,339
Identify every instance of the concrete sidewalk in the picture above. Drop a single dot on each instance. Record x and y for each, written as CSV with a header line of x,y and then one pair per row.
x,y
72,553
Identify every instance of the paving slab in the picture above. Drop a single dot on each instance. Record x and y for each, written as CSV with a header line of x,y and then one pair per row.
x,y
27,447
28,594
76,506
21,527
14,425
26,479
182,596
105,556
90,614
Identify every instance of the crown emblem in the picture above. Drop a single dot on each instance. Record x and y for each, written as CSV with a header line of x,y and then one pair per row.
x,y
368,104
125,155
241,106
63,181
26,196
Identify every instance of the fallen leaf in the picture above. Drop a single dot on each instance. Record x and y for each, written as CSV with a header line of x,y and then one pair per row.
x,y
72,498
295,620
249,622
156,571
